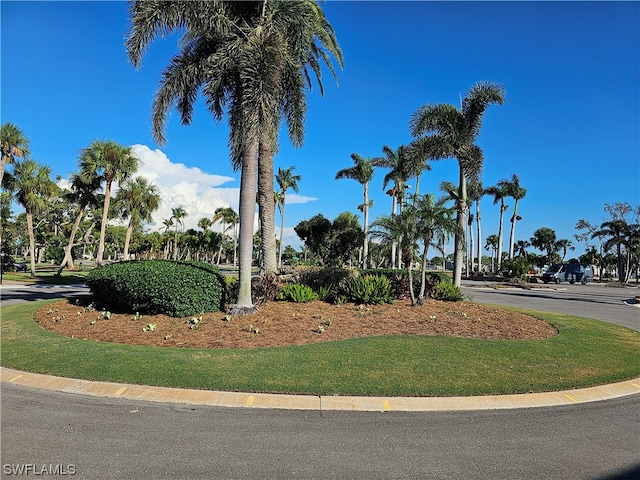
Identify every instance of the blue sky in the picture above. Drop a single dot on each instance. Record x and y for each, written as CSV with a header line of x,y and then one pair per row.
x,y
569,127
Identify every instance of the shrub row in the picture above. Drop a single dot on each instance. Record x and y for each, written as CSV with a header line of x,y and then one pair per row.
x,y
375,285
177,289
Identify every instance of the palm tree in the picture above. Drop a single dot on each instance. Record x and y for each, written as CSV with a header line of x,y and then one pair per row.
x,y
111,162
168,223
233,220
452,133
13,144
84,192
396,161
286,180
401,228
514,190
137,200
476,193
431,216
227,216
564,244
544,239
521,248
618,232
252,60
177,214
204,223
499,194
34,187
492,243
362,172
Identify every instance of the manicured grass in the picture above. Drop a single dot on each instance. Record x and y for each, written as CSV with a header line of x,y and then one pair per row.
x,y
48,277
584,353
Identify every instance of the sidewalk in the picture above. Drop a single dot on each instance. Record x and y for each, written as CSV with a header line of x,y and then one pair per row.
x,y
320,403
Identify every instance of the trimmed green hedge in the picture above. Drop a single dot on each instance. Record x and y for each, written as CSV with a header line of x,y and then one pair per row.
x,y
177,289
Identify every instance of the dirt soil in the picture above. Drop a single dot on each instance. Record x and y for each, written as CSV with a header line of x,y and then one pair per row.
x,y
280,323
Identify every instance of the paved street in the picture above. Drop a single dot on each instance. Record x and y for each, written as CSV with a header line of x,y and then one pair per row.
x,y
107,438
597,301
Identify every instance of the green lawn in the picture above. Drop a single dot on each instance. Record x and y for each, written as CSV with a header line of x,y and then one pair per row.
x,y
584,353
47,276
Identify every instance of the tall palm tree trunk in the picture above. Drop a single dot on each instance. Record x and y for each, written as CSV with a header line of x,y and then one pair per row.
x,y
68,257
224,226
423,273
267,208
32,243
127,240
479,229
281,229
459,242
103,226
394,243
500,234
248,181
365,250
512,236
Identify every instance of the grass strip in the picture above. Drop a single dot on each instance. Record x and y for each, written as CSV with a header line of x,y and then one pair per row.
x,y
584,353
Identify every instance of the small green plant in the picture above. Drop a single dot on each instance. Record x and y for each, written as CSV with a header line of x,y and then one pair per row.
x,y
447,292
367,289
227,318
324,292
320,329
296,292
252,329
167,336
90,308
194,322
137,316
149,327
106,314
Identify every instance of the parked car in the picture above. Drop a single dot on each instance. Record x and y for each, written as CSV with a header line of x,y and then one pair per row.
x,y
20,267
568,272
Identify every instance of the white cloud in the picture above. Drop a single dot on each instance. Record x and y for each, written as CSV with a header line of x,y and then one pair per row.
x,y
290,237
294,198
199,193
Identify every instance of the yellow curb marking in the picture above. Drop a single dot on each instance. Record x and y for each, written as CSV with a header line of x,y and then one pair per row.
x,y
119,392
15,378
386,404
250,400
635,384
571,398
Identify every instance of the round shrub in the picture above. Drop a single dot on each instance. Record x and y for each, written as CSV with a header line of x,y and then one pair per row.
x,y
177,289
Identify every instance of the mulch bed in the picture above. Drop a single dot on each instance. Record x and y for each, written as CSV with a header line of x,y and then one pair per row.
x,y
281,323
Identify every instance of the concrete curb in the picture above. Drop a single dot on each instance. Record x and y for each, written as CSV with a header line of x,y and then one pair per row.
x,y
320,403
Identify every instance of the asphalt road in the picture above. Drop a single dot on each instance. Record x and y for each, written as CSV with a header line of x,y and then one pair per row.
x,y
597,301
107,438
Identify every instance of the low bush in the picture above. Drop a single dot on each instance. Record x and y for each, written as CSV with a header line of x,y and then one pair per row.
x,y
264,288
446,291
325,281
177,289
296,292
367,289
399,280
515,267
